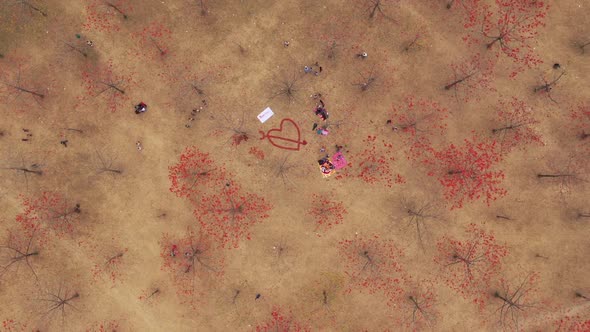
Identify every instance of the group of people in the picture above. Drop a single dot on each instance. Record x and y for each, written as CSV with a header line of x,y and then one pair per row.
x,y
327,167
316,69
327,164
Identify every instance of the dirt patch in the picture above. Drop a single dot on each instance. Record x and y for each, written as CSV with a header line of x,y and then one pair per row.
x,y
463,205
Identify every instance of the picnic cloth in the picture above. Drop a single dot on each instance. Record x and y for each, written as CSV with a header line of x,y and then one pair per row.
x,y
338,160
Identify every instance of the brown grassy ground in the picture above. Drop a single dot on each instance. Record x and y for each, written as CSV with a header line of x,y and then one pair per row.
x,y
240,44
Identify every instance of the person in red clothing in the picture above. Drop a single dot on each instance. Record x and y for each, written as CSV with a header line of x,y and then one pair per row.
x,y
140,108
320,111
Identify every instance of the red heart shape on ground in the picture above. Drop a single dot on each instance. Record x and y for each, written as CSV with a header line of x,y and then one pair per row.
x,y
278,138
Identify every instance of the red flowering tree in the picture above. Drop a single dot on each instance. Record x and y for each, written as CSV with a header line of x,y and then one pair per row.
x,y
281,322
572,324
417,122
515,301
467,265
104,326
580,125
10,325
153,41
194,173
257,153
49,215
471,76
372,263
509,28
108,260
374,163
106,82
467,172
191,260
107,15
18,250
414,305
229,214
326,213
515,127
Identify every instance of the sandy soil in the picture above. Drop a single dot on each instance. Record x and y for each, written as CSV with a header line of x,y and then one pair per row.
x,y
237,50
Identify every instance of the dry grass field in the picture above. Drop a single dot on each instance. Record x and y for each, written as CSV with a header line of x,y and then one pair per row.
x,y
464,204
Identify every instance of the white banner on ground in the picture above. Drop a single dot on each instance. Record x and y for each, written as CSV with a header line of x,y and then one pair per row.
x,y
265,115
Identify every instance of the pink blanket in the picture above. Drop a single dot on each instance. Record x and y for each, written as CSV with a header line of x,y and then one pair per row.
x,y
338,160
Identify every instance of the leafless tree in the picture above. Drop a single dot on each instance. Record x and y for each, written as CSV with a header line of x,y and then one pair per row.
x,y
18,249
515,302
372,79
25,169
343,125
548,85
367,80
583,296
582,46
237,130
241,48
74,49
417,215
566,172
503,217
21,86
414,43
332,50
105,165
238,296
453,3
152,294
286,89
417,306
204,11
282,253
577,214
283,168
59,303
377,8
323,296
21,12
116,8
